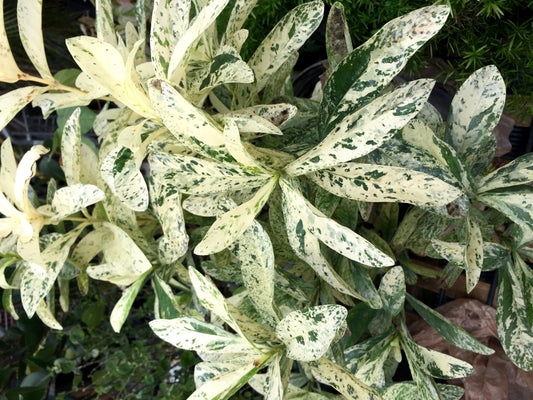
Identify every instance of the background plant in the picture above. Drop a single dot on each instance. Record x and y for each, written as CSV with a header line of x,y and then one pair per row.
x,y
265,223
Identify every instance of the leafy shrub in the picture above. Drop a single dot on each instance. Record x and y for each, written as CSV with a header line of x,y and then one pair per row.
x,y
267,225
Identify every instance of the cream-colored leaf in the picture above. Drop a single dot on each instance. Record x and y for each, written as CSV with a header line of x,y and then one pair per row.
x,y
9,70
105,26
8,169
71,199
25,171
46,316
70,148
15,100
236,148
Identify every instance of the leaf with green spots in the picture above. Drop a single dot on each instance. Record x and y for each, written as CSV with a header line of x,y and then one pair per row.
x,y
376,183
286,37
169,21
517,172
120,171
239,13
474,113
105,26
392,290
365,72
31,35
448,330
46,316
338,40
513,312
515,203
229,226
71,199
237,149
342,380
309,333
473,254
15,100
355,134
71,148
122,307
409,391
225,68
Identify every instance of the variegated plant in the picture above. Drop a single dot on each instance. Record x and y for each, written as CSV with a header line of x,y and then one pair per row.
x,y
256,187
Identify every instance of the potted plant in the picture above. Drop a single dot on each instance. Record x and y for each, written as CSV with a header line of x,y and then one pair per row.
x,y
275,219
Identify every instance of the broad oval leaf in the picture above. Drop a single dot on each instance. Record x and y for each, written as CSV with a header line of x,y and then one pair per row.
x,y
71,199
309,333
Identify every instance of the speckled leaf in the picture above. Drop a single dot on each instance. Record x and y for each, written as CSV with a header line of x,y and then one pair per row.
x,y
170,20
331,233
356,134
122,307
232,224
338,40
9,71
448,330
376,183
105,26
124,261
474,113
180,116
166,306
409,391
225,68
239,13
517,172
309,333
514,203
201,23
473,254
121,173
192,334
370,67
8,168
392,290
15,100
71,199
329,373
46,316
254,250
71,148
431,362
513,313
286,37
236,148
31,35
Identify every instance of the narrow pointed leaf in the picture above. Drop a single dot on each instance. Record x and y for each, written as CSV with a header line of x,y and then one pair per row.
x,y
71,148
514,203
517,172
392,290
9,71
15,100
239,13
45,315
166,301
473,254
338,40
122,307
105,26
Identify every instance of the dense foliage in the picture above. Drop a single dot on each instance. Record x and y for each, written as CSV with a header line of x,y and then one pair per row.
x,y
266,226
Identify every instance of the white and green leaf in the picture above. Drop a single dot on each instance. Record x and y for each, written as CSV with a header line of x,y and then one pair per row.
x,y
515,203
392,290
517,172
71,199
122,307
15,100
9,70
105,26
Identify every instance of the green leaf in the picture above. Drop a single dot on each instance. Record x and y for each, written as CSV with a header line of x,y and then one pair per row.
x,y
167,306
120,171
309,333
513,313
517,172
286,37
473,254
355,134
448,330
514,203
329,373
71,199
474,113
362,75
122,308
15,100
31,35
392,290
228,227
338,40
375,183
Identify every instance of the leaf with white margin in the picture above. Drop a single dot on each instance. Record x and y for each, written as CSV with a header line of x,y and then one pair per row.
x,y
515,203
105,26
331,233
122,307
517,172
409,391
286,37
121,173
212,299
31,35
181,117
203,20
192,334
9,70
229,226
169,21
392,290
431,362
448,330
474,113
71,148
165,305
32,287
376,183
46,316
8,169
124,261
15,100
309,333
342,380
270,384
71,199
473,254
357,134
513,312
362,75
